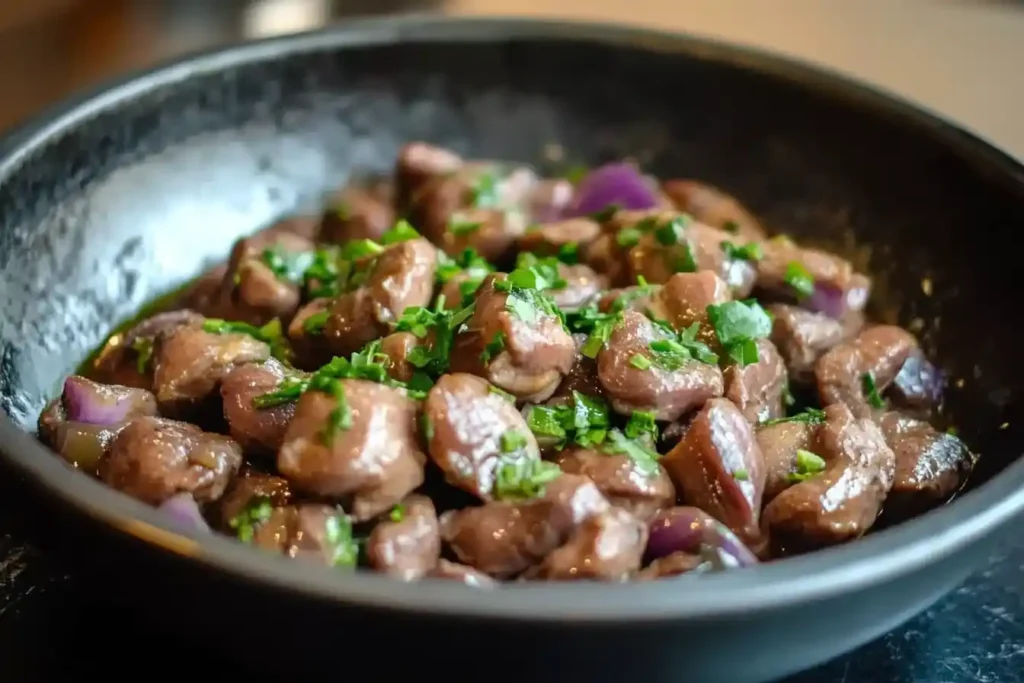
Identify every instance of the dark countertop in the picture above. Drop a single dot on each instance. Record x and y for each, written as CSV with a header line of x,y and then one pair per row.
x,y
53,628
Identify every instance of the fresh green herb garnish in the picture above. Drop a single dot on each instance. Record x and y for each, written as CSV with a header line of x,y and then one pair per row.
x,y
642,425
867,383
359,249
271,334
288,266
682,258
739,324
644,458
680,348
513,441
569,253
524,478
585,422
808,464
458,227
432,359
748,252
628,237
600,334
400,232
799,279
427,426
671,232
484,191
493,348
536,273
315,323
575,174
498,391
143,347
526,299
640,362
340,417
605,214
811,416
397,513
741,475
257,511
343,546
731,226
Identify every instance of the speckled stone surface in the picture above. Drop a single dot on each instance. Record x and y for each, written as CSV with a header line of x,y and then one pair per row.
x,y
130,204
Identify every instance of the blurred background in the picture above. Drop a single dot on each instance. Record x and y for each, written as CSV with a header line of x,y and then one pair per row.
x,y
961,59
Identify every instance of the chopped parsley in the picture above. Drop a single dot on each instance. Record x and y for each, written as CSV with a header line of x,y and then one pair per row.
x,y
569,253
498,391
461,227
681,258
680,348
811,416
870,389
524,478
432,359
748,252
360,249
640,362
340,417
642,425
645,459
400,232
143,347
741,475
628,237
739,324
288,266
731,227
532,272
799,279
315,323
427,426
808,464
271,334
671,232
604,215
344,549
256,512
585,422
600,334
526,299
468,263
397,513
493,348
484,191
513,441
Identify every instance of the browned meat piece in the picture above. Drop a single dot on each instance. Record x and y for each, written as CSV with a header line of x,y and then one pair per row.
x,y
817,279
453,571
629,484
408,544
548,200
190,363
684,300
670,565
930,465
481,206
251,291
309,345
632,298
758,389
503,539
582,377
237,510
468,430
918,385
675,244
355,213
669,393
126,359
802,336
520,348
418,163
549,239
582,286
857,372
82,423
152,459
605,547
353,461
718,467
304,226
843,501
402,276
259,431
779,445
608,258
713,207
315,533
397,346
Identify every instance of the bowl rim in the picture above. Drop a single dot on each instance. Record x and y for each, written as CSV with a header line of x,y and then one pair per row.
x,y
880,557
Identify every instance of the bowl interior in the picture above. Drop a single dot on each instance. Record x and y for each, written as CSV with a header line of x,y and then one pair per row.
x,y
146,187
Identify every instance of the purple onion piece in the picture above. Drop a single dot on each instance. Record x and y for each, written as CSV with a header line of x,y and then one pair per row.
x,y
919,384
691,530
183,510
834,302
92,403
618,184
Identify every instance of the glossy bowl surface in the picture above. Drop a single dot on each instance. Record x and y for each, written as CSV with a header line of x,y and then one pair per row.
x,y
124,194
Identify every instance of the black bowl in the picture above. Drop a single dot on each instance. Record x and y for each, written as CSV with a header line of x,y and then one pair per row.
x,y
123,195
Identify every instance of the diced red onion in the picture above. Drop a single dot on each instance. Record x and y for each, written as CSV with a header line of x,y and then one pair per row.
x,y
92,403
919,384
183,510
691,530
618,184
835,302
